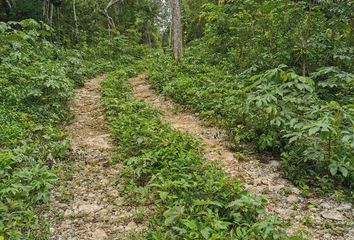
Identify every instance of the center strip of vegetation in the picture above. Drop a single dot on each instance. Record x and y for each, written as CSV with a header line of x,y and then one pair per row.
x,y
192,198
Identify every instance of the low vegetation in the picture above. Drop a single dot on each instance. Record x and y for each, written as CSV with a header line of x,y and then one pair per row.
x,y
275,73
194,199
295,116
37,79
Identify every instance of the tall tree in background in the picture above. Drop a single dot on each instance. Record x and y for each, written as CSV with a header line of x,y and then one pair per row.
x,y
177,33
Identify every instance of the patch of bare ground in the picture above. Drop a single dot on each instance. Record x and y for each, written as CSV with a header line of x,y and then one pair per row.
x,y
86,204
320,218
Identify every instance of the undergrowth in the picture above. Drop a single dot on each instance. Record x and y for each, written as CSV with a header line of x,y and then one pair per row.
x,y
308,121
193,198
37,78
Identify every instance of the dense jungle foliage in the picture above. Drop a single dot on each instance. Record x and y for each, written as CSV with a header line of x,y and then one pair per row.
x,y
277,74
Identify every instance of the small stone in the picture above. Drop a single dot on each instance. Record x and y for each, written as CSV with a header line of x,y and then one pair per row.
x,y
327,236
119,202
99,234
325,205
333,215
295,190
274,163
61,205
68,213
292,198
91,196
104,181
281,211
344,207
89,208
104,212
114,193
131,226
276,188
265,181
313,209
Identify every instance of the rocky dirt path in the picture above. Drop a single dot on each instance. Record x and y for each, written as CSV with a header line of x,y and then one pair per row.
x,y
86,203
320,218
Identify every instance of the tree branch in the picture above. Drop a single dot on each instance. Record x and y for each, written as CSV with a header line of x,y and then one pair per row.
x,y
110,20
9,4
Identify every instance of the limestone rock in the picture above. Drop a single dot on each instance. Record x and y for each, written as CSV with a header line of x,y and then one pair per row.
x,y
99,234
292,198
88,209
344,207
333,215
131,226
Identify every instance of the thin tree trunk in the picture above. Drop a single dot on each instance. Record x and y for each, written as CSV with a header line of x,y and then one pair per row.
x,y
45,10
48,12
170,36
303,67
51,14
8,7
75,20
351,35
149,38
177,31
9,4
58,23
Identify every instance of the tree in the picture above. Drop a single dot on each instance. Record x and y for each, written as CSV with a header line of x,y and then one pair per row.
x,y
177,33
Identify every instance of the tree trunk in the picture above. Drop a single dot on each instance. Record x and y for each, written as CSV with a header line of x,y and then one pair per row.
x,y
75,20
48,9
351,35
51,14
170,36
45,11
177,30
9,4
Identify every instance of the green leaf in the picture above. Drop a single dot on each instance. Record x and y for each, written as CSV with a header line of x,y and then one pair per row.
x,y
29,24
344,171
3,27
313,130
172,214
324,135
163,195
206,232
333,168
